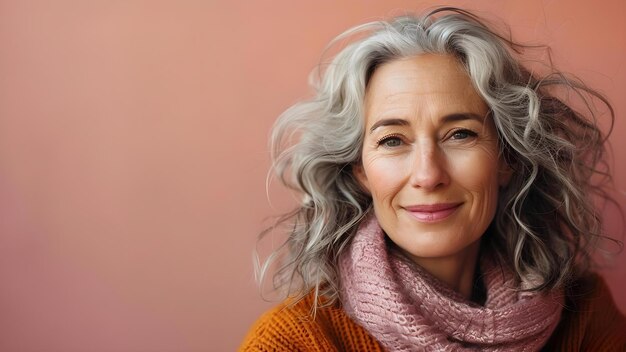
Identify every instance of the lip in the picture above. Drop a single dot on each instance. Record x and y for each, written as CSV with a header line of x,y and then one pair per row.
x,y
432,212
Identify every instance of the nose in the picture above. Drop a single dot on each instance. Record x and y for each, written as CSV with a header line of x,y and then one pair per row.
x,y
429,169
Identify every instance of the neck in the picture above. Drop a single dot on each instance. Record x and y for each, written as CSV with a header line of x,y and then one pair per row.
x,y
456,270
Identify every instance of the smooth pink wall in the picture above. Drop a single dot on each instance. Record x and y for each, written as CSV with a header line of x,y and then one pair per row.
x,y
133,154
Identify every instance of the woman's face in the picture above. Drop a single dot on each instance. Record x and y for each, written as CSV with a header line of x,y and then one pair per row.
x,y
430,156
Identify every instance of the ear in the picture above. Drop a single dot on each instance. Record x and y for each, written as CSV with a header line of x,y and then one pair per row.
x,y
505,172
359,174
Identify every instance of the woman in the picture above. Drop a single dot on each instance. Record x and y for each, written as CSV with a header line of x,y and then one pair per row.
x,y
446,201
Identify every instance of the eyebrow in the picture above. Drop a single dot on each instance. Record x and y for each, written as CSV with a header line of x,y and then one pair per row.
x,y
446,119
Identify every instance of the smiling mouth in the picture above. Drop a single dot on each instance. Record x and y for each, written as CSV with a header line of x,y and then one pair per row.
x,y
432,212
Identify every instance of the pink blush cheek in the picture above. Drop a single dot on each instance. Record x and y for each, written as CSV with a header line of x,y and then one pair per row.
x,y
385,178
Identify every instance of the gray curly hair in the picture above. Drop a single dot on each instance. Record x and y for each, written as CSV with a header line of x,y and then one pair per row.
x,y
545,224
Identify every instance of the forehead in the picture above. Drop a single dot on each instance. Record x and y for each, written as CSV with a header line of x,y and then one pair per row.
x,y
425,83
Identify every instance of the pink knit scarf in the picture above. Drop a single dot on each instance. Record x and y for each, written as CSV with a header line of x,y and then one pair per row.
x,y
407,309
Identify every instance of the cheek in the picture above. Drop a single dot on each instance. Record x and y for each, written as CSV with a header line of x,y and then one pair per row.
x,y
478,175
385,177
477,170
482,182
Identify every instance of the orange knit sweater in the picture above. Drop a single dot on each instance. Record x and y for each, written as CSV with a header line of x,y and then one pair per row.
x,y
590,322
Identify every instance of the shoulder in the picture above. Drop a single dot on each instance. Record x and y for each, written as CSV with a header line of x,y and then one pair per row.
x,y
590,319
294,327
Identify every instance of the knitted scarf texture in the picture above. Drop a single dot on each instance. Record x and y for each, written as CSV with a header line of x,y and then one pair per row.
x,y
407,309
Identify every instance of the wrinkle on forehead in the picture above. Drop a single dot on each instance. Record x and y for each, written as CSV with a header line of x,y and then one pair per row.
x,y
426,77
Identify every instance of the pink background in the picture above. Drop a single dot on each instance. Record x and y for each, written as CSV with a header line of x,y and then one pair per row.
x,y
133,154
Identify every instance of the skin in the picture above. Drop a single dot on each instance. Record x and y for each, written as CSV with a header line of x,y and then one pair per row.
x,y
429,140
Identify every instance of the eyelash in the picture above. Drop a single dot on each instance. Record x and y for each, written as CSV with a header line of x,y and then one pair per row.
x,y
388,137
469,133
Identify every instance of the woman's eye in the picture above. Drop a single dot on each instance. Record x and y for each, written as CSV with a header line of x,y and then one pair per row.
x,y
391,141
463,134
